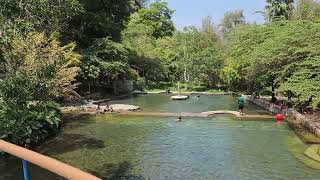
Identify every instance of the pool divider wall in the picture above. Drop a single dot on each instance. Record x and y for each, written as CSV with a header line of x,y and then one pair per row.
x,y
291,113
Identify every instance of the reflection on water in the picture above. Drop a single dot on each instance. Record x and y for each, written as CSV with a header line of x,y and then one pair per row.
x,y
139,148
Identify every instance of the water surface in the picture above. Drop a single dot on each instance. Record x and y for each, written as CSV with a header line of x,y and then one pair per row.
x,y
138,148
162,103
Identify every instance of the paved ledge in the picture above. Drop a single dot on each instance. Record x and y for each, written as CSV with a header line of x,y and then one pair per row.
x,y
202,114
309,125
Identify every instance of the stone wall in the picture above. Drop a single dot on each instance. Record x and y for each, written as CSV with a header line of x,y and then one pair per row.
x,y
311,126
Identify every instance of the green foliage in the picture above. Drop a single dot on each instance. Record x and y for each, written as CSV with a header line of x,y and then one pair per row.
x,y
49,67
22,17
29,123
281,54
38,69
279,10
158,16
231,20
105,61
307,10
100,19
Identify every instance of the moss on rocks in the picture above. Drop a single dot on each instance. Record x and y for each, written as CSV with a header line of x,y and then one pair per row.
x,y
313,152
297,148
303,133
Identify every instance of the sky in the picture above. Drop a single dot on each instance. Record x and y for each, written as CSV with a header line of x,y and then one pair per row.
x,y
191,12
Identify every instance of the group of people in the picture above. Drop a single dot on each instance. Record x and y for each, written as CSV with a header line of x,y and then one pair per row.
x,y
104,110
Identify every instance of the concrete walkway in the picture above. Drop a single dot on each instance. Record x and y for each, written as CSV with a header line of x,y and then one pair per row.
x,y
203,114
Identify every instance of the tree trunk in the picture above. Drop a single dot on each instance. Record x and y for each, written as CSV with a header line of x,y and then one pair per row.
x,y
273,98
185,74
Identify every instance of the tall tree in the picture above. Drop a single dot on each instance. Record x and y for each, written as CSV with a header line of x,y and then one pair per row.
x,y
100,18
279,9
307,10
208,28
33,15
231,20
159,17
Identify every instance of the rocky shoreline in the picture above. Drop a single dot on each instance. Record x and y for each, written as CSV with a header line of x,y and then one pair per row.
x,y
93,108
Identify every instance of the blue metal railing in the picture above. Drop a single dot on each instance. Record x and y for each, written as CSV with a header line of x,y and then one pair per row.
x,y
25,170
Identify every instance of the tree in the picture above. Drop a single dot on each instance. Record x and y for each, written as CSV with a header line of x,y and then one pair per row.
x,y
280,55
23,17
307,10
200,57
100,19
105,62
159,17
304,82
241,44
208,28
145,49
232,20
279,9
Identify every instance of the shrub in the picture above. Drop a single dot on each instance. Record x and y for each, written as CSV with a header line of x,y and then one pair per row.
x,y
38,69
28,125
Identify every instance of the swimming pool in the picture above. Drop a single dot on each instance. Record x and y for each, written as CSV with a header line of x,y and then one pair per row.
x,y
219,147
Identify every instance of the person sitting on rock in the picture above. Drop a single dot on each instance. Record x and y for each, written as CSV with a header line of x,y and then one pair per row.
x,y
98,108
108,108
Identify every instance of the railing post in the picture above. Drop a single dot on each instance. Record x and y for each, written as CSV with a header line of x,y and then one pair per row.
x,y
25,170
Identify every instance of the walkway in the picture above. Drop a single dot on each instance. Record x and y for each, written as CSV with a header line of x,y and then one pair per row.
x,y
203,114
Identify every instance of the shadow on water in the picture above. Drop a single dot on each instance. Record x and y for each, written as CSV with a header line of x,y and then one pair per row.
x,y
116,171
70,142
74,120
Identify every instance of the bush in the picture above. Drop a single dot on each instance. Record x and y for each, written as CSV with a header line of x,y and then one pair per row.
x,y
140,84
266,92
38,70
29,125
159,85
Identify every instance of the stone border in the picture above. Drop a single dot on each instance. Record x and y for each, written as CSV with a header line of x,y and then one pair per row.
x,y
304,121
187,93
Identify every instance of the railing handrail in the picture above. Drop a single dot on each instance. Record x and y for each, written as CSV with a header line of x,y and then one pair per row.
x,y
46,162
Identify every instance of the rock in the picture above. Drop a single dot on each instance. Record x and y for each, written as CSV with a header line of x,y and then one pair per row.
x,y
124,107
139,92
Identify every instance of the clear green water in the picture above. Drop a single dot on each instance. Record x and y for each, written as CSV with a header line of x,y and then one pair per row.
x,y
221,147
162,103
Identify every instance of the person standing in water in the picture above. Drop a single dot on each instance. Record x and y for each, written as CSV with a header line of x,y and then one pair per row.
x,y
241,104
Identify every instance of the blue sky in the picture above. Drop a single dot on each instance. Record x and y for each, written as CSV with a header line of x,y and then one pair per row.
x,y
191,12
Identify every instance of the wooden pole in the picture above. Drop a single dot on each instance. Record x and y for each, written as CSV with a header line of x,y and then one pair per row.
x,y
46,162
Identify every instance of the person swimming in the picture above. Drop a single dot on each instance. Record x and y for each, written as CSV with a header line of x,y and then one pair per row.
x,y
179,119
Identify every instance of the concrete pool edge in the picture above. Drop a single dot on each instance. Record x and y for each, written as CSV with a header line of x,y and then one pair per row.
x,y
290,113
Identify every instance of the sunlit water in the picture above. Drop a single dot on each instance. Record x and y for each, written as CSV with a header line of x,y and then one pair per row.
x,y
162,103
220,147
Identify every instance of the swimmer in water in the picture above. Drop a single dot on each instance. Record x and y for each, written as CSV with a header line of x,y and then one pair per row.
x,y
179,119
